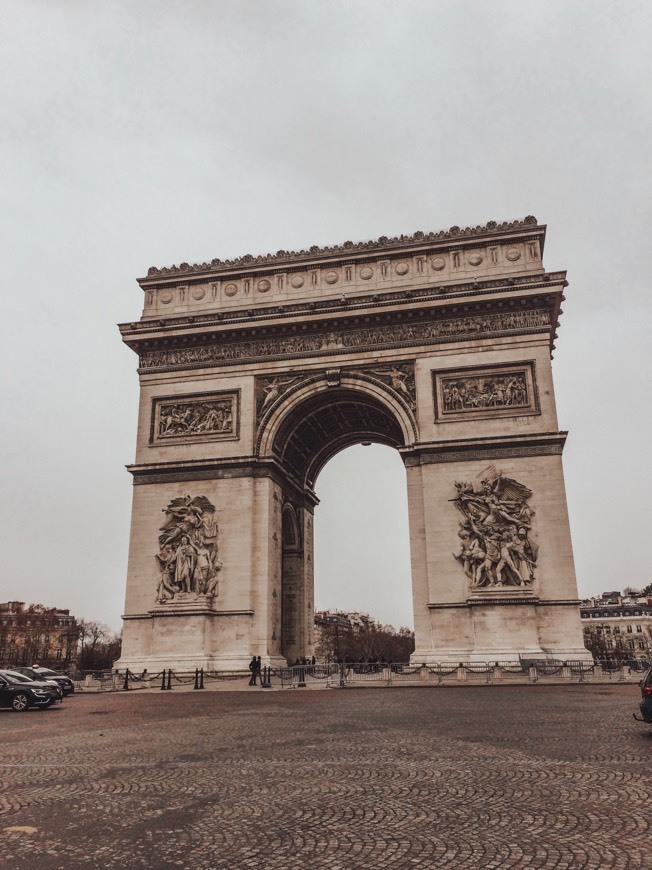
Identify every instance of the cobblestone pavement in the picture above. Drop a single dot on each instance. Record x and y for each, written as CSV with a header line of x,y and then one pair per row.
x,y
470,777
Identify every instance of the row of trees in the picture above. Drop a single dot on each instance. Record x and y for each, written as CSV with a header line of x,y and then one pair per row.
x,y
55,639
370,643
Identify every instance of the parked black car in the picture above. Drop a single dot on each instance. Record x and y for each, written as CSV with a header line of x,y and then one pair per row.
x,y
38,673
646,704
14,676
21,696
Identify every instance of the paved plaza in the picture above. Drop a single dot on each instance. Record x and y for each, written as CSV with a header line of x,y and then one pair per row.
x,y
463,777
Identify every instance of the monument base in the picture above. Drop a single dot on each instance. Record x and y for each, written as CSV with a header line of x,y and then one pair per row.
x,y
188,634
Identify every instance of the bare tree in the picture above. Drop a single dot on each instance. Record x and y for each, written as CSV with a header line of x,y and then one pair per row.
x,y
95,642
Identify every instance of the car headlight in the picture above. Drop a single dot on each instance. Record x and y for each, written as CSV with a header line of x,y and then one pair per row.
x,y
40,691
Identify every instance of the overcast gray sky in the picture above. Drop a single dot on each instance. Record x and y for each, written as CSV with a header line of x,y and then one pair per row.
x,y
151,133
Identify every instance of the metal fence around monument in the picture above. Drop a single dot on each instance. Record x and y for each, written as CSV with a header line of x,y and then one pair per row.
x,y
340,675
459,673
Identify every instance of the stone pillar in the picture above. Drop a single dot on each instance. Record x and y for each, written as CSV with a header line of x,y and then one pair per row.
x,y
457,618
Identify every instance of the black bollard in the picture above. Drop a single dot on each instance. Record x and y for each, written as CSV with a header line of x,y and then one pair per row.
x,y
201,678
126,683
196,686
302,678
267,678
163,681
169,685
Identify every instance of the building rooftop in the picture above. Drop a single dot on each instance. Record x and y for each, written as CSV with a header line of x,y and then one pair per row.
x,y
417,238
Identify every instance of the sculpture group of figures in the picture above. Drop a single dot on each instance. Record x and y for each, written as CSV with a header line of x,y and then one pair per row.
x,y
463,394
497,548
400,379
367,337
195,418
188,559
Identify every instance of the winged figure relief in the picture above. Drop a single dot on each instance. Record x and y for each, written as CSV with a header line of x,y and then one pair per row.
x,y
399,379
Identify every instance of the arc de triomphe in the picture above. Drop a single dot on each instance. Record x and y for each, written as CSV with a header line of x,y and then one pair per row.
x,y
254,372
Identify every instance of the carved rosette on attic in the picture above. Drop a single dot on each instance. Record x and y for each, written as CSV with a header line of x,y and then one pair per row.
x,y
188,557
497,546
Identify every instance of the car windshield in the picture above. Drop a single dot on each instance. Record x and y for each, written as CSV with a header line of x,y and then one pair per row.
x,y
15,678
46,672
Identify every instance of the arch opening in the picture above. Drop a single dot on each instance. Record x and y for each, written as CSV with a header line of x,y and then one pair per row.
x,y
324,424
362,540
303,433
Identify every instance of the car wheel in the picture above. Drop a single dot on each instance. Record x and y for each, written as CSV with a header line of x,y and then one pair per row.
x,y
20,702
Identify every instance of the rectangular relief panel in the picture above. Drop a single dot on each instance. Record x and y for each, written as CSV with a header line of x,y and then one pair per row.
x,y
485,391
196,417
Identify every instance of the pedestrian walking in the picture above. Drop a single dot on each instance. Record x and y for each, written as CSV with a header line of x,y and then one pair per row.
x,y
255,667
253,670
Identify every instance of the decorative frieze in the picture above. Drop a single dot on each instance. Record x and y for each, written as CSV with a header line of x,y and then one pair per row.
x,y
195,417
354,339
485,391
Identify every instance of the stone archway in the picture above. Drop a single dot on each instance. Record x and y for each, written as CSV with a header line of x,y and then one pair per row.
x,y
302,430
255,372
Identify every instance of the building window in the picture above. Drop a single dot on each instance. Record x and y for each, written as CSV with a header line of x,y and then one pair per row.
x,y
629,629
639,629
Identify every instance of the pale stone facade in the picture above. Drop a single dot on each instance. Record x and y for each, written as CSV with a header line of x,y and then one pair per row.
x,y
618,626
255,372
35,633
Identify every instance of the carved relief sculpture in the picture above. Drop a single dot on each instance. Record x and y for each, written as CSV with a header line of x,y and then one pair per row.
x,y
367,337
269,389
485,392
188,561
203,417
400,378
497,546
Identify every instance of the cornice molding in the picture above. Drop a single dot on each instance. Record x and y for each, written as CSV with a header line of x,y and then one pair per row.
x,y
180,611
220,469
547,282
535,600
481,449
417,239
